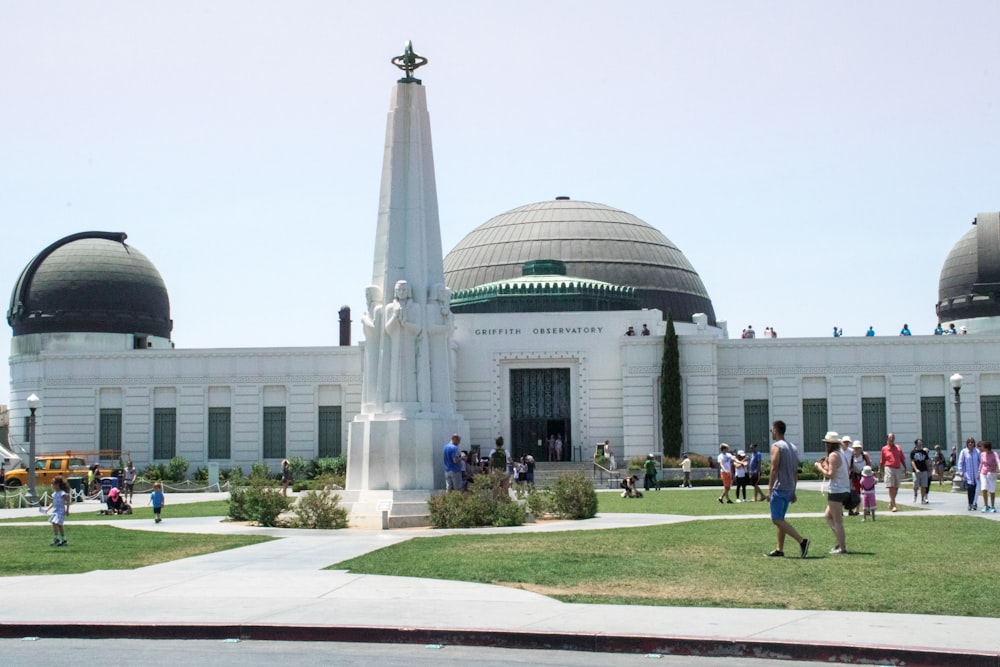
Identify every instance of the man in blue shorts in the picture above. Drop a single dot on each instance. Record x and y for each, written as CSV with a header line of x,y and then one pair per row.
x,y
781,488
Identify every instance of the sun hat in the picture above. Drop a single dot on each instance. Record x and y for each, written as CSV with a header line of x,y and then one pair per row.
x,y
867,471
741,453
857,445
832,437
845,438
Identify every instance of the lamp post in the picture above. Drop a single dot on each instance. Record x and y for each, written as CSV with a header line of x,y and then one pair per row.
x,y
33,402
956,478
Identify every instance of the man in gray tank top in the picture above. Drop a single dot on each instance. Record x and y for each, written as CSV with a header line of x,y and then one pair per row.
x,y
781,488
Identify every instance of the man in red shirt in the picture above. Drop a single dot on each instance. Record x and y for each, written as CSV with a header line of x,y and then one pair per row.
x,y
891,468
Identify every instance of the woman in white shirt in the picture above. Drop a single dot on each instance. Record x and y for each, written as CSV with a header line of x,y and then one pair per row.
x,y
834,467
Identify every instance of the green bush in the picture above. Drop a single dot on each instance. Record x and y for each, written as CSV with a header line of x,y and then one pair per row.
x,y
200,474
234,474
539,502
154,472
320,509
336,466
573,497
258,502
176,469
487,503
300,468
260,471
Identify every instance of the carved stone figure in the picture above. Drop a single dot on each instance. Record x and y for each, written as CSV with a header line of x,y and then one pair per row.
x,y
403,323
440,324
376,362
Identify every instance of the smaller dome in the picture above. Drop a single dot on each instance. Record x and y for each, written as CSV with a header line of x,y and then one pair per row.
x,y
969,286
90,282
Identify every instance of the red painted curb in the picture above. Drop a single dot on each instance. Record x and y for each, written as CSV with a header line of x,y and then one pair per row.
x,y
563,641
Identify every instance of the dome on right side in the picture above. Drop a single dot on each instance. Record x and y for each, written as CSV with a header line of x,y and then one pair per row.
x,y
969,286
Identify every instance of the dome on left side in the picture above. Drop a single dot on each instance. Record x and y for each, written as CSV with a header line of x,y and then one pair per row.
x,y
90,282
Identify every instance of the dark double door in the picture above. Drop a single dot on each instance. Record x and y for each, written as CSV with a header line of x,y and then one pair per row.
x,y
539,407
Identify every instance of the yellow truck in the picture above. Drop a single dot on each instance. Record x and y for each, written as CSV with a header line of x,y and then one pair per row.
x,y
48,466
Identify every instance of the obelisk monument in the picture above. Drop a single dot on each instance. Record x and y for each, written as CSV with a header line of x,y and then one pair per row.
x,y
407,400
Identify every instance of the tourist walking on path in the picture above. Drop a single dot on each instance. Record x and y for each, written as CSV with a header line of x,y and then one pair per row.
x,y
781,489
920,464
60,508
649,480
989,462
286,476
157,500
452,459
858,459
725,472
686,469
968,466
833,466
891,468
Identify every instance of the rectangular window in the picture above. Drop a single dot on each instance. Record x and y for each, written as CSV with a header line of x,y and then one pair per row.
x,y
756,426
164,433
874,425
989,409
274,433
219,430
932,421
111,432
814,424
329,431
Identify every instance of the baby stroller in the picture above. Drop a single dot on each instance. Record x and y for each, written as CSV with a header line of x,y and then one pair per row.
x,y
116,504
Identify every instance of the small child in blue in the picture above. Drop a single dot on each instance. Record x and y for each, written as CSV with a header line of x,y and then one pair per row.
x,y
156,499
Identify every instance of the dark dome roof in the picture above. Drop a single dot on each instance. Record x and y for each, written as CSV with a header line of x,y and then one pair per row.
x,y
595,241
90,282
969,286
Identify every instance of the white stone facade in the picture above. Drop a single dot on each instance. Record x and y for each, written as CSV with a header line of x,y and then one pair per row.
x,y
613,385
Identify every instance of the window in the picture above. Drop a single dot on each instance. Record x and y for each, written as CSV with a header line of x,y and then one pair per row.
x,y
219,429
111,431
989,409
274,433
756,427
813,424
329,431
932,421
874,427
164,433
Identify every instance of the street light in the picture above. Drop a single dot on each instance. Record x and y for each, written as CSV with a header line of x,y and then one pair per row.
x,y
33,402
956,384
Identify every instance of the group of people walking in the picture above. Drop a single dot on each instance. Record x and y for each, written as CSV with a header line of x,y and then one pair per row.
x,y
978,465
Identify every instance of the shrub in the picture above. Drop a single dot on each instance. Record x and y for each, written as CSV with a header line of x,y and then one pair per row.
x,y
300,468
573,497
258,502
260,471
487,503
200,474
176,469
539,502
336,465
320,509
154,472
234,474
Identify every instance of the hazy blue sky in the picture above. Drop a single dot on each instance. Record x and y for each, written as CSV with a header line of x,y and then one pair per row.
x,y
815,161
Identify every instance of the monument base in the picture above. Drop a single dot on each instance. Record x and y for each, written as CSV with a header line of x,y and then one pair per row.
x,y
384,510
394,460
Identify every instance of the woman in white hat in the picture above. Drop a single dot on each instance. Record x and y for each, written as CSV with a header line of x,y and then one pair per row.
x,y
834,468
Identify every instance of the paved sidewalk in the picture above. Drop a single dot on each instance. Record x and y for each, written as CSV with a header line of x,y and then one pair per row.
x,y
278,590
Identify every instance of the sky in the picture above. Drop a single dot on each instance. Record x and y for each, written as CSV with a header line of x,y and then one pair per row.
x,y
815,161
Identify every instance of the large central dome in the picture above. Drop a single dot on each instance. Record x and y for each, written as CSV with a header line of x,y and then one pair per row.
x,y
594,241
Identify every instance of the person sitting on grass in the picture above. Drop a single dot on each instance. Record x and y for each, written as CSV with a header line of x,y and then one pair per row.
x,y
628,484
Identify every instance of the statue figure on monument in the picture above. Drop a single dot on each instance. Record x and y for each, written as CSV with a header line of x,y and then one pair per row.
x,y
440,324
403,323
376,360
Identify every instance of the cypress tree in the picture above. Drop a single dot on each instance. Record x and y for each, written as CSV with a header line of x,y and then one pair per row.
x,y
671,417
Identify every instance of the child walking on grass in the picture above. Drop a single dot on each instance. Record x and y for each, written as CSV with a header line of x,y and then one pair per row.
x,y
868,492
156,500
60,508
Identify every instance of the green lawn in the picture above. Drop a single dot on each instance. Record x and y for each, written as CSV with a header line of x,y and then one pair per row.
x,y
704,502
89,512
26,550
722,564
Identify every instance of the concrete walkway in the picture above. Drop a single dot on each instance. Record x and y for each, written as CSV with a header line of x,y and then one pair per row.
x,y
278,590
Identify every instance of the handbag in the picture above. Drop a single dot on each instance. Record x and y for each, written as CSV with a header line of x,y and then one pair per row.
x,y
853,500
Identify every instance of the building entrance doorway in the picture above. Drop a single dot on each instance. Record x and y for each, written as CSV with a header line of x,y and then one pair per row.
x,y
539,407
